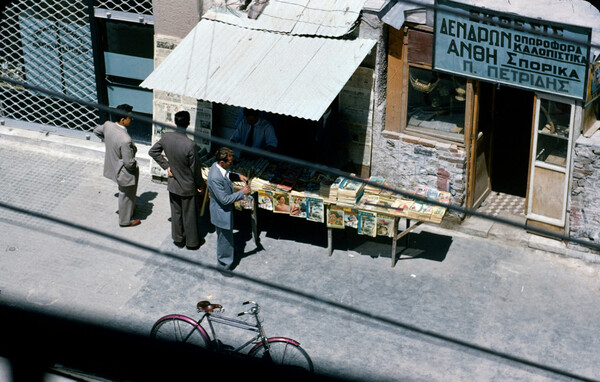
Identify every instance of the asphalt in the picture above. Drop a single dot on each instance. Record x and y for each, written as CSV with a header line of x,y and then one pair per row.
x,y
480,302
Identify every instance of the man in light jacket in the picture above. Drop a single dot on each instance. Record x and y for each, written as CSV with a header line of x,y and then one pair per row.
x,y
120,165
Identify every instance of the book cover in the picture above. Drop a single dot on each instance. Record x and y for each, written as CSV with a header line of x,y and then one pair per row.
x,y
315,209
335,217
237,205
297,205
367,223
281,203
426,212
351,185
265,200
312,187
286,184
421,191
247,203
444,197
432,194
351,218
437,214
414,210
385,225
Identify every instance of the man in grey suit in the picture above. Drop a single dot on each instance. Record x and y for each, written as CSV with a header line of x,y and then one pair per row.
x,y
120,165
184,181
222,198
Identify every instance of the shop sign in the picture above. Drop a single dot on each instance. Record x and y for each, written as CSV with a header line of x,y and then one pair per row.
x,y
510,49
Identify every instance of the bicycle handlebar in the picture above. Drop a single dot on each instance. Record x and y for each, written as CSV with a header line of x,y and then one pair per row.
x,y
254,310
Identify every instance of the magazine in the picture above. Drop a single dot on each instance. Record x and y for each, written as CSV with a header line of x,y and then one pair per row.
x,y
281,203
415,210
247,203
385,225
444,197
437,214
297,205
286,184
335,217
265,200
421,191
350,217
367,223
237,205
426,211
432,194
315,210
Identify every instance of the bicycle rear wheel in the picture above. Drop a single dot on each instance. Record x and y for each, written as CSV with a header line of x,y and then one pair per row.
x,y
178,328
284,352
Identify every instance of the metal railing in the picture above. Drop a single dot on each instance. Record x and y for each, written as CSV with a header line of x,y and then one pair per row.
x,y
47,43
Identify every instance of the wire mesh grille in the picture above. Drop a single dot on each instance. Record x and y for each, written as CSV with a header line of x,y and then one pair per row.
x,y
143,7
47,43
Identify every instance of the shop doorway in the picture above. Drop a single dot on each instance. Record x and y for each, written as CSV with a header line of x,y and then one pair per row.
x,y
501,149
511,140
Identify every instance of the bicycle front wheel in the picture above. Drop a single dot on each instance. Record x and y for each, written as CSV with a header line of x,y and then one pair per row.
x,y
284,352
178,328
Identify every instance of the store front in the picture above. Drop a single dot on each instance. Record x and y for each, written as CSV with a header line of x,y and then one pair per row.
x,y
291,79
507,101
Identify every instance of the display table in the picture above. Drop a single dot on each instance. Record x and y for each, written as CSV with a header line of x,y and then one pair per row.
x,y
371,208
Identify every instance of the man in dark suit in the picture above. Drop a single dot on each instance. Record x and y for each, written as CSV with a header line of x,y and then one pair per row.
x,y
119,162
222,197
184,181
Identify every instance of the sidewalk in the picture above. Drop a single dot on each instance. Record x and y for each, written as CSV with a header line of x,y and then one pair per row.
x,y
84,143
455,307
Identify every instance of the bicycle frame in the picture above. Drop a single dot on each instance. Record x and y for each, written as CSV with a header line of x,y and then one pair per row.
x,y
257,328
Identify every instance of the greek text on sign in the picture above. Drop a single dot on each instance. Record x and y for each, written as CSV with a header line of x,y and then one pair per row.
x,y
510,49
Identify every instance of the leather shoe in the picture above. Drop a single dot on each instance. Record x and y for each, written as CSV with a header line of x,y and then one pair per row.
x,y
226,273
179,244
193,248
132,223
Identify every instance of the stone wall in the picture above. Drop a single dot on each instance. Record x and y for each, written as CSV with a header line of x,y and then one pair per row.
x,y
584,217
411,161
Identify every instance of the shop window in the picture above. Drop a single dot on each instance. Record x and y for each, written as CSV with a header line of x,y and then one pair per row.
x,y
436,104
553,132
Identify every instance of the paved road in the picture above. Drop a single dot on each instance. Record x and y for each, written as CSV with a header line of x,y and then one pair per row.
x,y
462,308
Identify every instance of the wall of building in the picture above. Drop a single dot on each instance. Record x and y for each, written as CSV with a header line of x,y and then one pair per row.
x,y
176,18
584,217
406,161
411,161
173,20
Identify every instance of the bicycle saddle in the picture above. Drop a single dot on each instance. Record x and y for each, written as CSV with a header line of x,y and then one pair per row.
x,y
207,306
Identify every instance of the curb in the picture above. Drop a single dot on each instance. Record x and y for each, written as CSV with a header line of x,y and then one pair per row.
x,y
79,142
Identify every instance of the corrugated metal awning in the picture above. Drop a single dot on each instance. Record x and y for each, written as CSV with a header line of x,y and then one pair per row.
x,y
273,72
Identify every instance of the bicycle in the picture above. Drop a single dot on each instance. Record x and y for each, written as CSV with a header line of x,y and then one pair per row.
x,y
279,350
